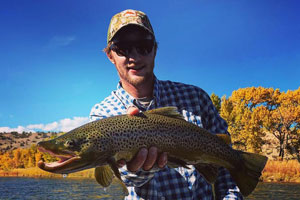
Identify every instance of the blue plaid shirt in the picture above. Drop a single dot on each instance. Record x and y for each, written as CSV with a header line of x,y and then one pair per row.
x,y
168,183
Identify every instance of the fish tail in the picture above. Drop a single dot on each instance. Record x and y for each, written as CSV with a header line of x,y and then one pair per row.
x,y
248,173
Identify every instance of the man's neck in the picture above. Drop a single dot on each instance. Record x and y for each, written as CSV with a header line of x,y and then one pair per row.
x,y
139,91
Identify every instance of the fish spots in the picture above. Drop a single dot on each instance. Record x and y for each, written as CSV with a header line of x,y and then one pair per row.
x,y
127,133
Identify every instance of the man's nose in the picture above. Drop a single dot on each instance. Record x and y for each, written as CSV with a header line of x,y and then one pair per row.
x,y
133,55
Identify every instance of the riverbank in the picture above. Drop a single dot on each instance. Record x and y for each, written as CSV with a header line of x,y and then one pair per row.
x,y
275,171
38,173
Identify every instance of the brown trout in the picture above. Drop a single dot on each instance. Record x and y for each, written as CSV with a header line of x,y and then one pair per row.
x,y
100,143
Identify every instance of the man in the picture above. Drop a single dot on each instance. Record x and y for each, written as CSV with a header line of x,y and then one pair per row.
x,y
132,47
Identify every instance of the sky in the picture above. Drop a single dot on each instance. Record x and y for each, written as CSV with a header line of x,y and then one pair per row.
x,y
53,69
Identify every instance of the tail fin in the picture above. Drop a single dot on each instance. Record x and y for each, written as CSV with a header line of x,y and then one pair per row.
x,y
247,175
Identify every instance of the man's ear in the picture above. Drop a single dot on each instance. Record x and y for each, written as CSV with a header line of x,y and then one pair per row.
x,y
110,57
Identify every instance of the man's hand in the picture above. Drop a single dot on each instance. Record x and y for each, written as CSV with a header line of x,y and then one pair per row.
x,y
145,158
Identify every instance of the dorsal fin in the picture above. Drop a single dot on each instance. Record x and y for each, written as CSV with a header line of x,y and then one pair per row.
x,y
166,111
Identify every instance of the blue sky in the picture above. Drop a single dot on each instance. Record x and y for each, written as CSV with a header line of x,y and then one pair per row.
x,y
53,70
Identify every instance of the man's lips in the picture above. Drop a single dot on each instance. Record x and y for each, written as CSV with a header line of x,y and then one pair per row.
x,y
135,68
137,71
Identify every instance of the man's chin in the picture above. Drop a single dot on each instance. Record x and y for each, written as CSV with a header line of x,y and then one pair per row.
x,y
137,80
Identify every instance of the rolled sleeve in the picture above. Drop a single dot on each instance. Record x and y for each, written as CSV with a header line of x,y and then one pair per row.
x,y
138,178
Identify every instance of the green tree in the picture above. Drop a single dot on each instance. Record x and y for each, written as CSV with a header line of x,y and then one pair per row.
x,y
216,101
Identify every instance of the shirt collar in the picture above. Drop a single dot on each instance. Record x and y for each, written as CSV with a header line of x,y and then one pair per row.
x,y
128,100
124,96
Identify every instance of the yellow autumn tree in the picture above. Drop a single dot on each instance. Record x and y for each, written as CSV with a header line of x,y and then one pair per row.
x,y
38,157
31,156
284,122
17,158
6,161
253,112
231,112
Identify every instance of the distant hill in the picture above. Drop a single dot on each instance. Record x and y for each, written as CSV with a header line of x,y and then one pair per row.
x,y
14,140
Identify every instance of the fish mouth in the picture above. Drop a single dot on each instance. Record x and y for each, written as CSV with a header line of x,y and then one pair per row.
x,y
65,163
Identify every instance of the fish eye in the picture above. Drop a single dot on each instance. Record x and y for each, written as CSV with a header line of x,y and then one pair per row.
x,y
69,143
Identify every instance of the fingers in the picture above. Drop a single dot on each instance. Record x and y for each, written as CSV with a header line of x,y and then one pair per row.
x,y
121,163
146,159
137,162
162,160
151,158
132,111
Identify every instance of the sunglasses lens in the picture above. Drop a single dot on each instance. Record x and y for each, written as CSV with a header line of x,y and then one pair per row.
x,y
120,48
143,47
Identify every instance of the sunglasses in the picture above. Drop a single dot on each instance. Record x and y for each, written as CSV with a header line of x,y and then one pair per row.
x,y
124,48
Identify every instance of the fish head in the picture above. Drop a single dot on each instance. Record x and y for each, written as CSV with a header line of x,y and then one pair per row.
x,y
75,150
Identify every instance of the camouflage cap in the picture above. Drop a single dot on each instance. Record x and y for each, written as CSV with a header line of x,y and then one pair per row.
x,y
125,18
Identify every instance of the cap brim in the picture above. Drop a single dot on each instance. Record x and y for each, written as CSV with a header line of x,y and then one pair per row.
x,y
131,24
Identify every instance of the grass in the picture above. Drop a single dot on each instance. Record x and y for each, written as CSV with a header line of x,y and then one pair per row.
x,y
281,171
275,171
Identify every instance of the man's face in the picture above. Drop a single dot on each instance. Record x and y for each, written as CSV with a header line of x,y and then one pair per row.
x,y
135,67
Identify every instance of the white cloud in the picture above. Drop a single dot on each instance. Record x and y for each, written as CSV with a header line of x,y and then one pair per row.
x,y
69,124
63,125
61,41
19,129
35,126
51,127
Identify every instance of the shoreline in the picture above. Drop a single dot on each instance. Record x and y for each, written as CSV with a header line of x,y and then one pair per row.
x,y
287,171
35,172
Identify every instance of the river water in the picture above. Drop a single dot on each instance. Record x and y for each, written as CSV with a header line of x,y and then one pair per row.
x,y
81,189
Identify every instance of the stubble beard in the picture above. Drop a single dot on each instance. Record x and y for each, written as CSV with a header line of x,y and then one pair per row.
x,y
138,81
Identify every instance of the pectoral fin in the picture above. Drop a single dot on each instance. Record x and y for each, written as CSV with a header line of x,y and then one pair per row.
x,y
208,171
104,175
113,164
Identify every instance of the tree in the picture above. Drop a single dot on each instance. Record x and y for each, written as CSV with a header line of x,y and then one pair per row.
x,y
284,121
253,112
216,101
6,161
17,158
38,157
